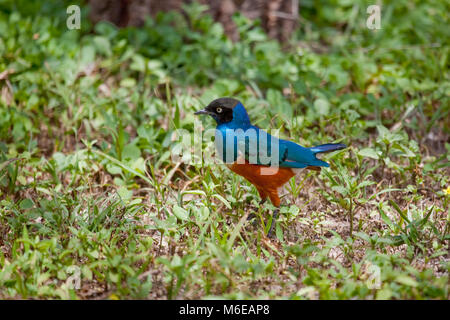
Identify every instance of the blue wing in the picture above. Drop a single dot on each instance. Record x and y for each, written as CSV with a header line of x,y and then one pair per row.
x,y
259,147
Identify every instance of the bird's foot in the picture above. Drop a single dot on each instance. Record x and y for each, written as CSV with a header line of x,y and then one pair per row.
x,y
254,218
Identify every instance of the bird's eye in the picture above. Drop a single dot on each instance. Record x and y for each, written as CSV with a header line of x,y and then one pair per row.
x,y
219,110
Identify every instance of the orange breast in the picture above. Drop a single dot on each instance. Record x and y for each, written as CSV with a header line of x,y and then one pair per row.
x,y
266,179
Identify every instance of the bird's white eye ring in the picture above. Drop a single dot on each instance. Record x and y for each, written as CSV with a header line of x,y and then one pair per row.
x,y
219,110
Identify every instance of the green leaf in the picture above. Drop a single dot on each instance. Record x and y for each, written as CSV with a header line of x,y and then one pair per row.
x,y
112,169
278,231
128,83
400,211
387,220
369,153
102,45
223,200
86,271
384,294
123,166
124,193
180,213
340,189
382,131
138,63
322,106
406,280
26,204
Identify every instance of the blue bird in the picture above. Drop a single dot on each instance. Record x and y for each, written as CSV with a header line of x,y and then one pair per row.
x,y
264,160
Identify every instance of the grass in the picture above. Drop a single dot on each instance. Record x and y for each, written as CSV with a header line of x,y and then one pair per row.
x,y
92,206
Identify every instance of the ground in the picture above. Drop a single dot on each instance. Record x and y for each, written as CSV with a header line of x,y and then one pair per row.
x,y
94,206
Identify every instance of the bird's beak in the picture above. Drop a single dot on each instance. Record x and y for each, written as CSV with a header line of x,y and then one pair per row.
x,y
204,111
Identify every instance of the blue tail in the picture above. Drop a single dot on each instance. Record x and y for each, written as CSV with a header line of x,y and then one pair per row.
x,y
328,147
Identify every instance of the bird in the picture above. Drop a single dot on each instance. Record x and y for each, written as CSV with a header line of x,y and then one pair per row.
x,y
264,160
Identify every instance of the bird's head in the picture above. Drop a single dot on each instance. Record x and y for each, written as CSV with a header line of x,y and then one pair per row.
x,y
225,110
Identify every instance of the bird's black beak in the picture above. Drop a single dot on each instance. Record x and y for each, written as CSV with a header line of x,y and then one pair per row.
x,y
204,111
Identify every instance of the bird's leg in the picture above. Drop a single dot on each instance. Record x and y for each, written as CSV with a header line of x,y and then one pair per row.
x,y
272,225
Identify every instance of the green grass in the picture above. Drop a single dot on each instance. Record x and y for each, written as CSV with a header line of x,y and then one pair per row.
x,y
91,205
